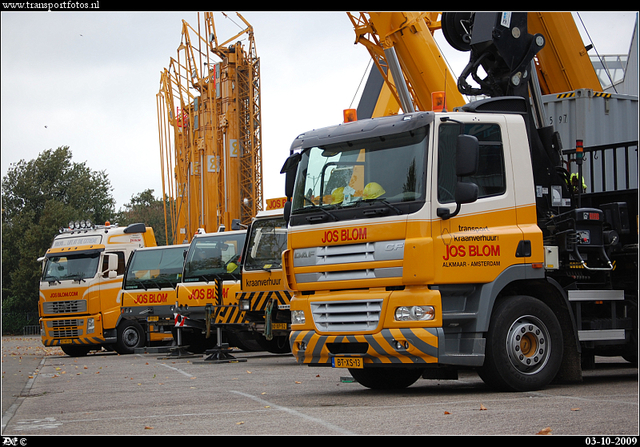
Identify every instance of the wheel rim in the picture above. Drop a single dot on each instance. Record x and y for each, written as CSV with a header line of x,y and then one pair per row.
x,y
528,344
131,337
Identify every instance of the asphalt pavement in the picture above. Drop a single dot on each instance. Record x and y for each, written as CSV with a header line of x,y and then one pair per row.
x,y
46,393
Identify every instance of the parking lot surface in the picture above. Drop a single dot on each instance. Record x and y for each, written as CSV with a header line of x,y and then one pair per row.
x,y
266,394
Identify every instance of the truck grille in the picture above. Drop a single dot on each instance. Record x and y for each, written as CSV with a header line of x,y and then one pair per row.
x,y
64,307
351,316
65,328
326,256
65,333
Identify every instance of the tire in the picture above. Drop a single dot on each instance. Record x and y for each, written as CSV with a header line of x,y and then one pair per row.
x,y
130,337
386,378
244,340
75,351
524,345
279,344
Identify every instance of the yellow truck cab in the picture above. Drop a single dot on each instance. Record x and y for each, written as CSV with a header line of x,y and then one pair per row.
x,y
264,298
149,294
212,259
81,285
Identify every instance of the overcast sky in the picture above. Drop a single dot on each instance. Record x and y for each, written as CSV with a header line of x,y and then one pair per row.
x,y
89,81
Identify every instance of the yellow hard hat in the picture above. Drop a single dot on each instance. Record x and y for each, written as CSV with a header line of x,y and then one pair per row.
x,y
337,195
372,190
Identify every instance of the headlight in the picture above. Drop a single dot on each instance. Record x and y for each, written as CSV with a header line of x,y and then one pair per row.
x,y
244,304
297,317
415,313
91,326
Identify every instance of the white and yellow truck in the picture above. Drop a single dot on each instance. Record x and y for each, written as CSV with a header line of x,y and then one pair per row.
x,y
428,242
81,286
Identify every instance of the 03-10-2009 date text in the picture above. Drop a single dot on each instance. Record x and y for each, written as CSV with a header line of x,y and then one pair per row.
x,y
611,440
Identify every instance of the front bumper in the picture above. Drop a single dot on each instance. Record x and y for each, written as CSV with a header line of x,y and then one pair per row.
x,y
389,346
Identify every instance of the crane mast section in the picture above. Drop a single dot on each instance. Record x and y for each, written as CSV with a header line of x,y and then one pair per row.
x,y
210,134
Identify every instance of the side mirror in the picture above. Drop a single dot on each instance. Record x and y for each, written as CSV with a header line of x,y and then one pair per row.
x,y
467,155
466,192
112,265
289,169
286,212
467,158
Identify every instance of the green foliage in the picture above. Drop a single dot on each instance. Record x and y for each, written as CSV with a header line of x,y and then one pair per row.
x,y
38,197
145,208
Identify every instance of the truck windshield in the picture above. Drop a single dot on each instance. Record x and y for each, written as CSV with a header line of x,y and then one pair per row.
x,y
214,257
155,268
267,241
71,267
357,173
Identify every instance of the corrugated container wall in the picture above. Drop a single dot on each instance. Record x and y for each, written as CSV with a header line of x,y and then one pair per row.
x,y
606,121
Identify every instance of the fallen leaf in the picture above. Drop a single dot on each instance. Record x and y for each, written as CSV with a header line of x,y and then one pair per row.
x,y
146,427
575,409
482,407
446,412
544,431
298,382
240,423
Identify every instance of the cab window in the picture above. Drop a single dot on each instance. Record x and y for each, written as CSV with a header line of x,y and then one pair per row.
x,y
490,177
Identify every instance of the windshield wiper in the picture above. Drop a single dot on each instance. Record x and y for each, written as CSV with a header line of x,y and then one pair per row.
x,y
377,211
316,207
76,277
51,280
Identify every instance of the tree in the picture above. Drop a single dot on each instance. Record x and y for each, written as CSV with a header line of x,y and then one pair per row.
x,y
145,208
39,197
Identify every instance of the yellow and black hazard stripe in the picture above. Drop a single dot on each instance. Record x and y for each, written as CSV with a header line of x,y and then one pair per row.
x,y
259,300
573,94
227,315
81,341
379,349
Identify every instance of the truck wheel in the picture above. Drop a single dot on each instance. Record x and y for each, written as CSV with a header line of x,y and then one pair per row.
x,y
130,337
386,378
75,351
279,344
524,345
244,340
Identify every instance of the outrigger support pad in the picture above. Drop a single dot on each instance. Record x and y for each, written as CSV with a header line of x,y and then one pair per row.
x,y
221,353
178,351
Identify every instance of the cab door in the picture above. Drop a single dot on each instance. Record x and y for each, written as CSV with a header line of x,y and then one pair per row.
x,y
479,242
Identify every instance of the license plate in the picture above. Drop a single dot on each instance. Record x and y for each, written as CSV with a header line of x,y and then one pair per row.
x,y
153,318
347,362
279,326
66,341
